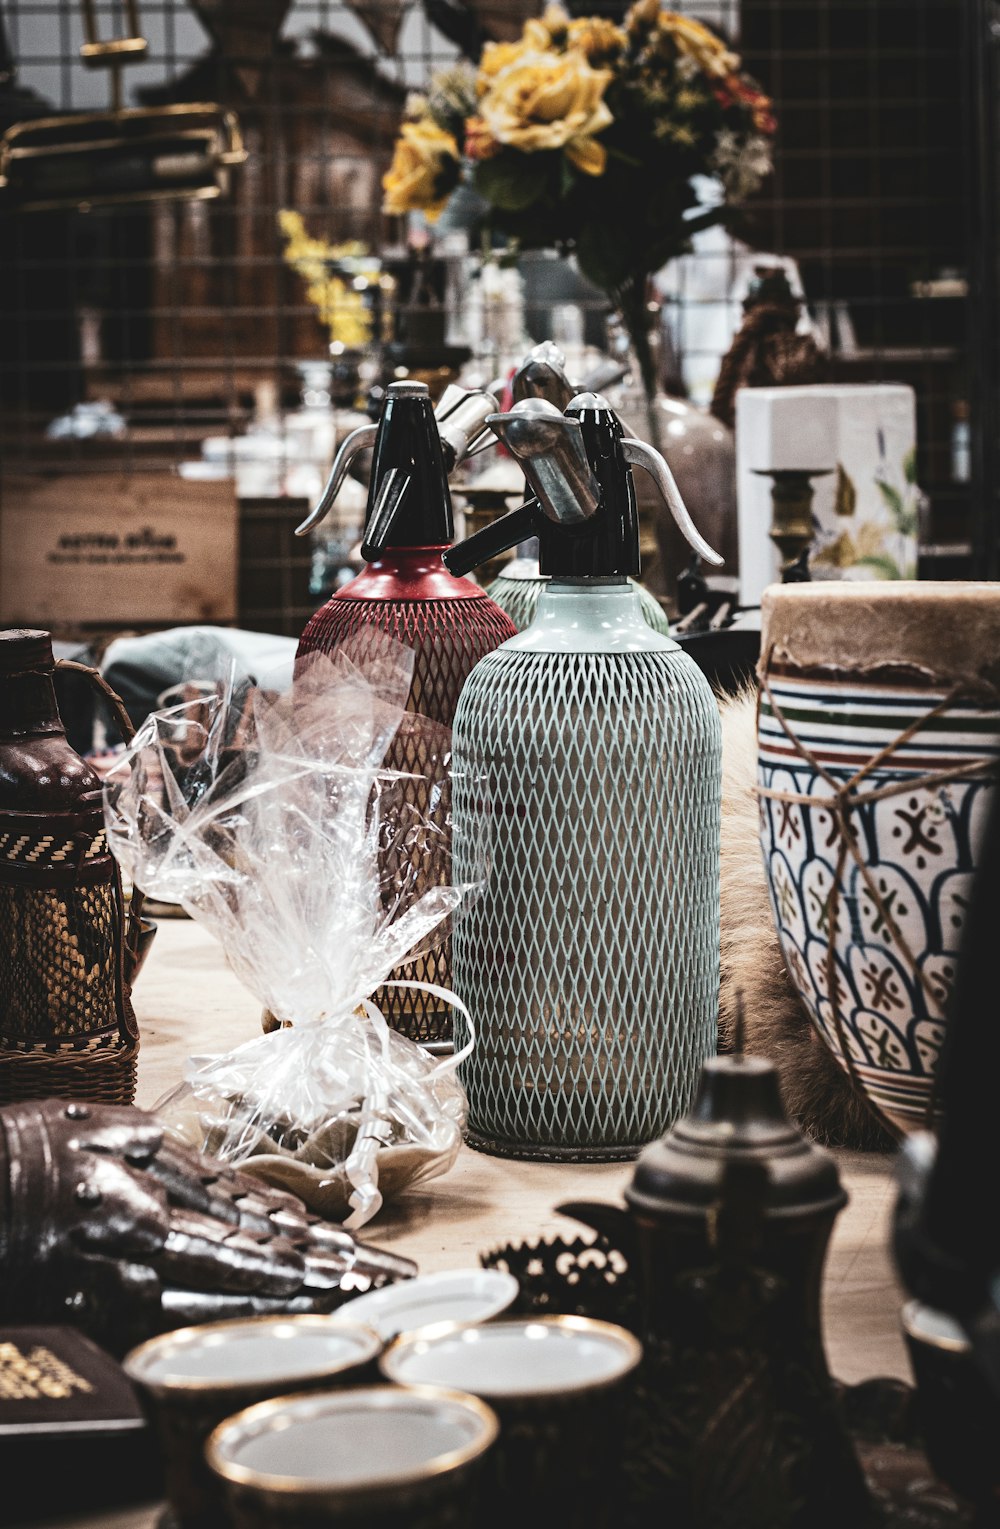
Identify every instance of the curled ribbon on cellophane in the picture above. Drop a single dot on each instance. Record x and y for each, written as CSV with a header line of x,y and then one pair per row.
x,y
281,825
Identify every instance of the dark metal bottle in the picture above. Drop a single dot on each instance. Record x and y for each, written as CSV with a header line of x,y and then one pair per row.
x,y
66,1021
728,1221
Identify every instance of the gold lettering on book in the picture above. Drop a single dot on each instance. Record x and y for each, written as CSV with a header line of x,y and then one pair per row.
x,y
36,1374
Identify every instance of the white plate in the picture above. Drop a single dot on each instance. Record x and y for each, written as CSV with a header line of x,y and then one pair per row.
x,y
252,1351
454,1295
927,1325
515,1358
350,1442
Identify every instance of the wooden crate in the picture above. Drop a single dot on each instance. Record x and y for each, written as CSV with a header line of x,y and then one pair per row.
x,y
274,567
116,549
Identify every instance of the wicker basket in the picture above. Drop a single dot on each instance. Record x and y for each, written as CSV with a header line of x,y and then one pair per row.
x,y
67,953
107,1079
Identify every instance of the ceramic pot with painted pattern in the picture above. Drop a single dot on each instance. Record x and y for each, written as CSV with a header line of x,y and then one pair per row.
x,y
878,747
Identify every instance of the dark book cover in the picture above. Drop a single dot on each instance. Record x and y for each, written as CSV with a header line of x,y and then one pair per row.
x,y
73,1437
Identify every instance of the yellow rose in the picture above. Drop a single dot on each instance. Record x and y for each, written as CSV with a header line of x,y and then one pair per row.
x,y
412,182
644,14
708,51
537,36
698,42
551,29
292,225
497,56
596,37
547,100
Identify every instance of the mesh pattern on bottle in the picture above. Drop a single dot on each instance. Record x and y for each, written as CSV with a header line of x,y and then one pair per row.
x,y
448,637
590,963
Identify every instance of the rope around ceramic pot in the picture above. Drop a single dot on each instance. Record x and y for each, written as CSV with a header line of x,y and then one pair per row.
x,y
843,799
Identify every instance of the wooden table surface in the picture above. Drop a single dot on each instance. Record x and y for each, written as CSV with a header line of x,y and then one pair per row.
x,y
188,1001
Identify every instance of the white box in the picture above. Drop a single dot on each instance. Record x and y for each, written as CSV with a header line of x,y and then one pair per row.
x,y
865,512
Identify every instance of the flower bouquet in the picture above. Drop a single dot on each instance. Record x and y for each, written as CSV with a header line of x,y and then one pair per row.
x,y
340,280
601,138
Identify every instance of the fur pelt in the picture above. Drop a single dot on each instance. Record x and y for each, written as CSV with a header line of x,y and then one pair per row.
x,y
817,1091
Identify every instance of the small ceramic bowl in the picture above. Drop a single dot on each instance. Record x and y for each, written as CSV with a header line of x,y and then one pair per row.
x,y
559,1387
191,1379
469,1296
379,1457
959,1414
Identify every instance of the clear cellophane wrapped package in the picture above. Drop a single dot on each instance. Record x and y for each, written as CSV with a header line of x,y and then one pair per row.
x,y
279,823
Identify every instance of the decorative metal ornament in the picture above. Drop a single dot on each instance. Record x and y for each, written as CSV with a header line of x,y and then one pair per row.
x,y
109,1225
581,1276
727,1227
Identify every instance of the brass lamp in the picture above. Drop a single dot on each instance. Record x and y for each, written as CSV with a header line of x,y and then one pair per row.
x,y
125,154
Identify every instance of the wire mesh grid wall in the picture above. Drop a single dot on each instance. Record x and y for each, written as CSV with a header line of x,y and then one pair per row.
x,y
188,301
183,315
872,193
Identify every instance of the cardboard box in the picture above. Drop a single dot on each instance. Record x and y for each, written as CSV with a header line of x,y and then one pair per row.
x,y
116,549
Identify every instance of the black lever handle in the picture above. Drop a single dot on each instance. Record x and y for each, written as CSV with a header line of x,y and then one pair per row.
x,y
392,492
499,536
